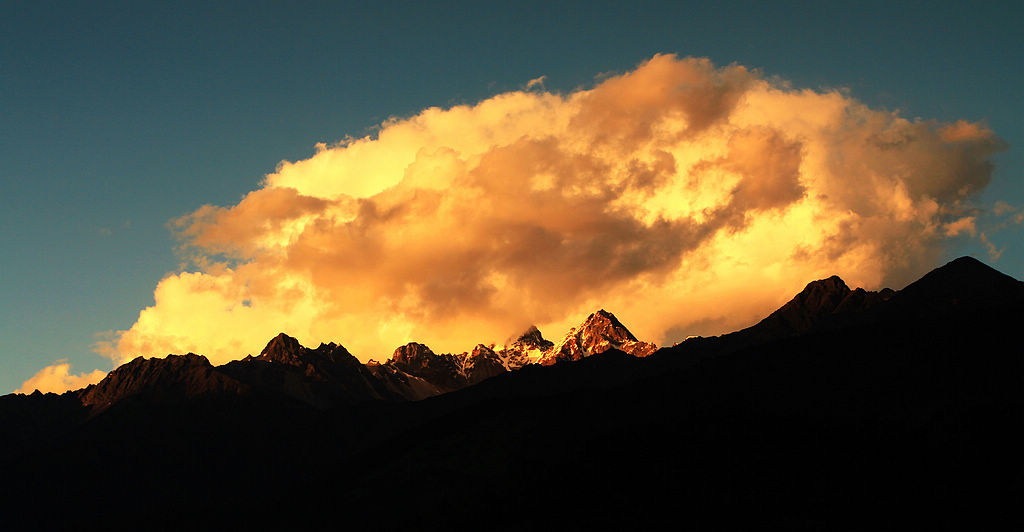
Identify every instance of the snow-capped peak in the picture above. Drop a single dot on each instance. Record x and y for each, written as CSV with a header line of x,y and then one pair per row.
x,y
600,332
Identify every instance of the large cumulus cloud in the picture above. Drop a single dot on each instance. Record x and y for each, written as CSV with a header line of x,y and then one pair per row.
x,y
687,198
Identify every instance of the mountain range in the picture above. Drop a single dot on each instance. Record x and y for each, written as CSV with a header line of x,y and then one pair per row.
x,y
844,409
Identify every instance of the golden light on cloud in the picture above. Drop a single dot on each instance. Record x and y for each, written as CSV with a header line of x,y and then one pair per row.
x,y
686,198
58,378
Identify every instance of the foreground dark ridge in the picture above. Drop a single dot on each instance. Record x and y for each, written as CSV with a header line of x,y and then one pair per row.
x,y
844,409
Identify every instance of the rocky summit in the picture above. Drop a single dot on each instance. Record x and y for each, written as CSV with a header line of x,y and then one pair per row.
x,y
600,332
527,348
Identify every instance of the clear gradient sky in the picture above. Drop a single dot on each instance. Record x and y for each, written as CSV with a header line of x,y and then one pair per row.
x,y
118,117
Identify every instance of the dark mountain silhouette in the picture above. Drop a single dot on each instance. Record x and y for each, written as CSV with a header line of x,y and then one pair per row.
x,y
171,379
324,377
843,410
962,285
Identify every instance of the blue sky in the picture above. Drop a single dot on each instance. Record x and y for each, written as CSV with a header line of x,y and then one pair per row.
x,y
118,117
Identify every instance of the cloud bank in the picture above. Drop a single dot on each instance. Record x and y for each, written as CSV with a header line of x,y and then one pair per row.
x,y
59,379
686,198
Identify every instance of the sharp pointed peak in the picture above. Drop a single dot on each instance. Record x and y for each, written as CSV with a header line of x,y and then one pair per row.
x,y
281,340
282,348
530,336
283,337
600,318
598,333
530,331
601,314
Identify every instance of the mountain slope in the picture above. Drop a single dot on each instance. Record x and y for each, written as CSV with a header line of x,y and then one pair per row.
x,y
882,423
884,412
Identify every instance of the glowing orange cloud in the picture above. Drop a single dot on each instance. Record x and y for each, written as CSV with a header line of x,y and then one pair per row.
x,y
688,199
59,379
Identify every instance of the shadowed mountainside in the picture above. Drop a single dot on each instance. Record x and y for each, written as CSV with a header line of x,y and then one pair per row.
x,y
843,410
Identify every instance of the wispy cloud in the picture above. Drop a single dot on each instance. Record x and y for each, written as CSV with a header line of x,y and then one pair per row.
x,y
962,225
